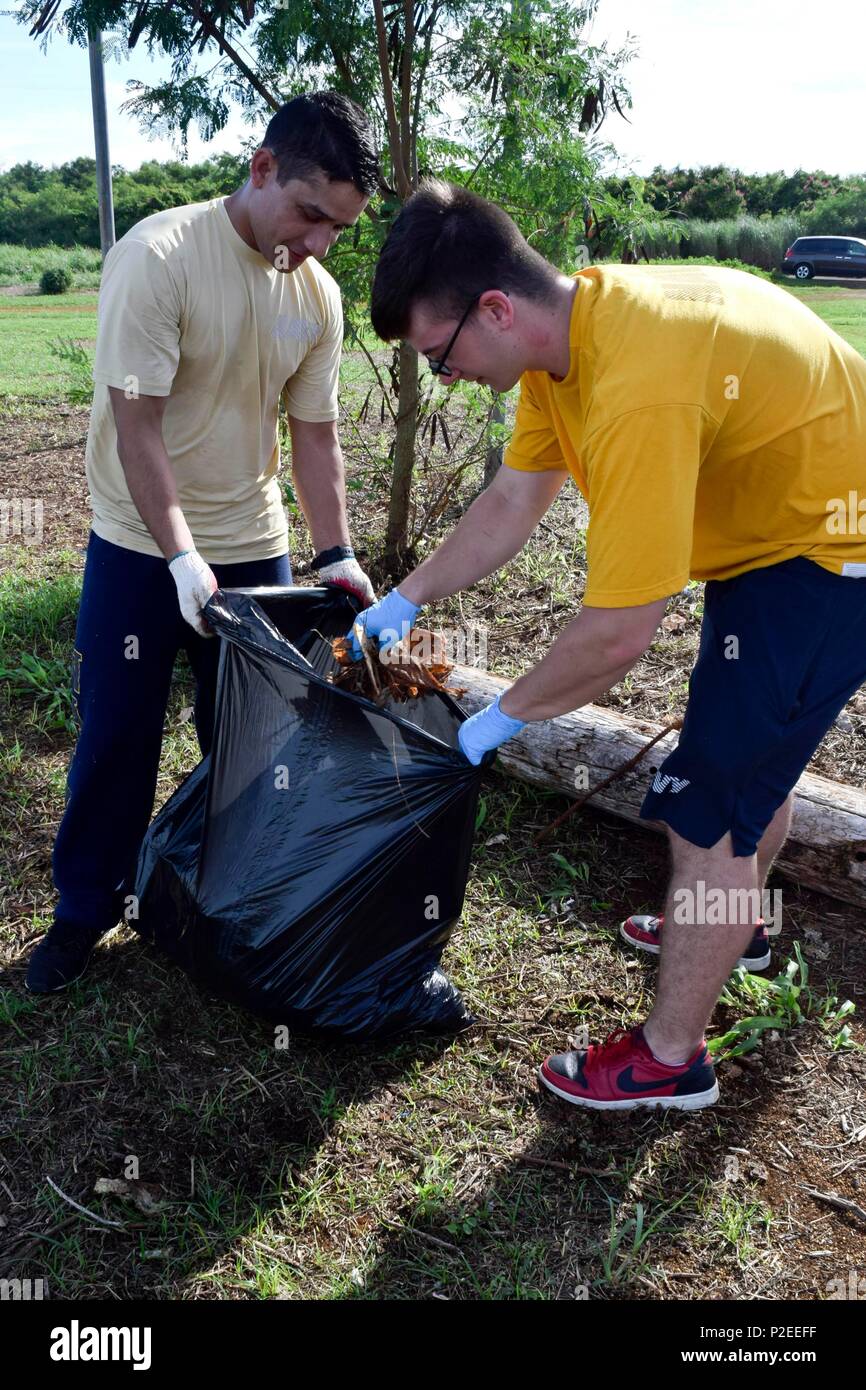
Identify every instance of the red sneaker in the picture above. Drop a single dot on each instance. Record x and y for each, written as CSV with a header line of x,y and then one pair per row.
x,y
621,1073
644,931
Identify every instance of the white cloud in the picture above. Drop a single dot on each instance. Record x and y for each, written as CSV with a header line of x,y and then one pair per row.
x,y
732,84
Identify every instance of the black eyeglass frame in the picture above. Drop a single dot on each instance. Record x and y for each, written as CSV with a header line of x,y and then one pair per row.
x,y
438,365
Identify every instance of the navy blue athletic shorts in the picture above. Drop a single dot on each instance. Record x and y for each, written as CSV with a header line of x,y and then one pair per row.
x,y
782,650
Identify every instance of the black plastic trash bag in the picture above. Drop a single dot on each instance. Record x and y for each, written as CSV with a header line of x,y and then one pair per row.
x,y
312,867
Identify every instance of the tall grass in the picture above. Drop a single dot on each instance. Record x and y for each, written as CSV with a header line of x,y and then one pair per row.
x,y
23,265
757,241
37,627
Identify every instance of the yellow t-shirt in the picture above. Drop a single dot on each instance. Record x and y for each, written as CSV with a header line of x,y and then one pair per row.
x,y
713,423
189,311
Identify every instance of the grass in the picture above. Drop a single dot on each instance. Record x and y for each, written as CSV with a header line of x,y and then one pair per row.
x,y
23,265
37,625
738,1221
32,329
757,241
836,306
774,1004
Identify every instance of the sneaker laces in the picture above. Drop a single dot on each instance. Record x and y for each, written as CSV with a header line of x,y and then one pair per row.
x,y
620,1038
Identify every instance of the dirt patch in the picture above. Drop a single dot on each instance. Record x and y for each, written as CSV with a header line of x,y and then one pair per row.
x,y
43,457
43,308
17,290
849,289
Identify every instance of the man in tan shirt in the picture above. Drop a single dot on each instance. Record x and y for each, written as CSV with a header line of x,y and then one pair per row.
x,y
206,314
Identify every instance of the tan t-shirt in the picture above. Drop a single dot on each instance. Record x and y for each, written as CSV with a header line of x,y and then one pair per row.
x,y
189,311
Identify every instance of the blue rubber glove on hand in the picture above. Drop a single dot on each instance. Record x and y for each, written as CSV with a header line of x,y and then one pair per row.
x,y
390,619
487,729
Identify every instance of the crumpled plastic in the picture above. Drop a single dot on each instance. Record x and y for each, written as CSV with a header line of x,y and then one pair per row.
x,y
314,864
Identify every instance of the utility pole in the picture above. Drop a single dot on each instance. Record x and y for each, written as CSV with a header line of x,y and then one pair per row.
x,y
100,135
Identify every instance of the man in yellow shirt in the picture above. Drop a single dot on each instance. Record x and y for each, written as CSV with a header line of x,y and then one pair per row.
x,y
717,429
207,313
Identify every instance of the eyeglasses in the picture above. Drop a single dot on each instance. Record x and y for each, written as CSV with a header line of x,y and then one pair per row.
x,y
438,365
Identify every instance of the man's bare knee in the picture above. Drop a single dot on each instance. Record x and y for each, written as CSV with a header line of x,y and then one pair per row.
x,y
685,852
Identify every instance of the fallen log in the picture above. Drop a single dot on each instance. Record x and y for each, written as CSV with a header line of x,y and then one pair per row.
x,y
825,850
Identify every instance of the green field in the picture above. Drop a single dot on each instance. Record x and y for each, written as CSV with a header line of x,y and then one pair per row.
x,y
29,325
840,308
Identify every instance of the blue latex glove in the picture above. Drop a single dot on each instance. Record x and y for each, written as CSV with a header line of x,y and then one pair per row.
x,y
385,619
487,729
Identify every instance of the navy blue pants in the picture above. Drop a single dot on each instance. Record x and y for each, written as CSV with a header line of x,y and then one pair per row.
x,y
129,633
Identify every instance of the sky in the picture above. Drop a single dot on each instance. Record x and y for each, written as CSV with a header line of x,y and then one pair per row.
x,y
754,84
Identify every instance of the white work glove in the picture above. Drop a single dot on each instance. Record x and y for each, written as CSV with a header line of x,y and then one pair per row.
x,y
195,582
345,571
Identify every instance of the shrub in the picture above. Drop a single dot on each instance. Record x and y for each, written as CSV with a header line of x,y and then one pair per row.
x,y
55,279
840,214
714,196
712,260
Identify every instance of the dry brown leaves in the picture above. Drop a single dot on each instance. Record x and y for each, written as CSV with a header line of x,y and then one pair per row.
x,y
409,669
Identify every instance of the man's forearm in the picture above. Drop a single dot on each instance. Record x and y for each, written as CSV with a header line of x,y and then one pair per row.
x,y
152,487
576,670
489,535
318,476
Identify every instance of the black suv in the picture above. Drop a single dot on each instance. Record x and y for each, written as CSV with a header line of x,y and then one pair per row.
x,y
825,255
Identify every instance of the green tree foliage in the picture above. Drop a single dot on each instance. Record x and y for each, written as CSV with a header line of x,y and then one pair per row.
x,y
697,193
58,205
715,195
843,212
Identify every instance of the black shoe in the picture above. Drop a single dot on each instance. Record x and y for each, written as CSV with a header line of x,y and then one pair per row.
x,y
757,954
61,957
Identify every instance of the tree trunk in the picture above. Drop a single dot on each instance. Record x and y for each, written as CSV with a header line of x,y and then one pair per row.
x,y
825,850
397,536
493,457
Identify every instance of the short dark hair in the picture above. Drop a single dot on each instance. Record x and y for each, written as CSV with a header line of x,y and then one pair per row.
x,y
324,132
446,246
